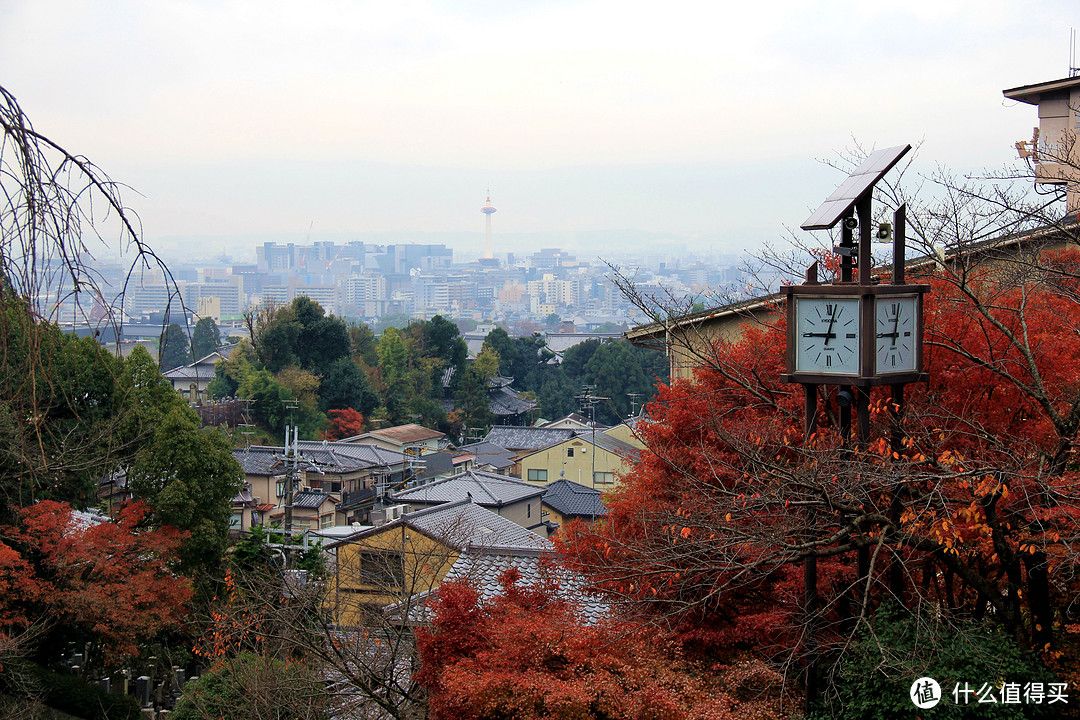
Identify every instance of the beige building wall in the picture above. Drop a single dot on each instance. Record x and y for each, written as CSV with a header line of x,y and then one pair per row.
x,y
579,458
626,434
383,568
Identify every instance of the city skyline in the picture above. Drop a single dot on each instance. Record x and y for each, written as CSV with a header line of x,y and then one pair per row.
x,y
237,119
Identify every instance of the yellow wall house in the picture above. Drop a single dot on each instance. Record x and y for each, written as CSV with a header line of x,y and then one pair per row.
x,y
587,459
398,564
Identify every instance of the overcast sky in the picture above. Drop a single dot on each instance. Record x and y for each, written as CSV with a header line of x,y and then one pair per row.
x,y
689,118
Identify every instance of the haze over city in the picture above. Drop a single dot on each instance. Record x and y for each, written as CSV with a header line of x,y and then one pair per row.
x,y
698,124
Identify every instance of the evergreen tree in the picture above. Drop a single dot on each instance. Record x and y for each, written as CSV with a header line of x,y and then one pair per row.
x,y
205,339
174,350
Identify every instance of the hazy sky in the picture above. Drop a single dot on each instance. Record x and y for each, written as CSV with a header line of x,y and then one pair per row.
x,y
260,116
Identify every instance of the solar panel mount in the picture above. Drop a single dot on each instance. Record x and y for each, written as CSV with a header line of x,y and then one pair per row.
x,y
855,187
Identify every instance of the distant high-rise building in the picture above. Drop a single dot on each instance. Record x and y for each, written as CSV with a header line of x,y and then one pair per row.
x,y
489,250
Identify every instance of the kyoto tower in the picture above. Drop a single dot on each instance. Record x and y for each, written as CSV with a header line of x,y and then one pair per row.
x,y
489,252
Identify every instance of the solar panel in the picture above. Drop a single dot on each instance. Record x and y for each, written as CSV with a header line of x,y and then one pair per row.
x,y
855,187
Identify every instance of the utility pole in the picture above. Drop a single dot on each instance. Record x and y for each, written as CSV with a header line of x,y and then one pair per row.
x,y
588,403
291,460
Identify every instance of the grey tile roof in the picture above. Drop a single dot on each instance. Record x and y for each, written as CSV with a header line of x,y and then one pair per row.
x,y
309,499
611,444
465,524
485,488
489,454
527,438
483,567
570,498
321,455
503,401
259,460
407,433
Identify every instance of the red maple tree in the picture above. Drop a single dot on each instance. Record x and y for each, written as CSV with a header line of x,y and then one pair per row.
x,y
978,510
527,654
109,579
343,424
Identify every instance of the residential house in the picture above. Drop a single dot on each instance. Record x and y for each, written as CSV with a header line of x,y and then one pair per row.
x,y
193,380
688,340
524,440
565,500
355,475
409,557
513,499
593,459
489,457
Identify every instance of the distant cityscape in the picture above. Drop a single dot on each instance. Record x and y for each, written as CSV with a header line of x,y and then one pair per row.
x,y
376,283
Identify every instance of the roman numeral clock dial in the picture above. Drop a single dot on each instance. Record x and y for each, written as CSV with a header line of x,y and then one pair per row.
x,y
827,335
896,328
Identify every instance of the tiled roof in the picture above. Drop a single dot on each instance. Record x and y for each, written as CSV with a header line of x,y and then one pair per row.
x,y
570,498
483,567
487,453
310,499
258,460
464,524
503,401
527,438
321,455
613,445
485,488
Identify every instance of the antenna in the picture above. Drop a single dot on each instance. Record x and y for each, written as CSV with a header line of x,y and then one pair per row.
x,y
1073,70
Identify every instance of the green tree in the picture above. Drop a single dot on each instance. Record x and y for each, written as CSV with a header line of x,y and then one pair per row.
x,y
66,386
556,396
472,399
186,473
174,349
346,386
499,341
362,343
322,339
229,372
205,339
615,372
575,358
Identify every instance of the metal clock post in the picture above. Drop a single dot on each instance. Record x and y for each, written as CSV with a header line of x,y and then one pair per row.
x,y
855,334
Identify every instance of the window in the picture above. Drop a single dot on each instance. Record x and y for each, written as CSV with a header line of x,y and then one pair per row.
x,y
382,568
603,478
326,521
528,510
281,488
537,476
569,452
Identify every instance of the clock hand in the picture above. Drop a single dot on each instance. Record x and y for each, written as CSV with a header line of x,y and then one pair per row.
x,y
896,325
832,321
821,335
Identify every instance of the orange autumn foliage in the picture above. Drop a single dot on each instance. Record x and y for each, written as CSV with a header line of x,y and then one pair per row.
x,y
526,654
111,579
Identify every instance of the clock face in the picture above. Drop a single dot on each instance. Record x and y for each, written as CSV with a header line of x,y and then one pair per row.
x,y
896,325
827,335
